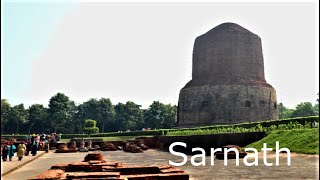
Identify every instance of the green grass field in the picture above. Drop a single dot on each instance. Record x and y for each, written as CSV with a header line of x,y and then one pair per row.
x,y
304,141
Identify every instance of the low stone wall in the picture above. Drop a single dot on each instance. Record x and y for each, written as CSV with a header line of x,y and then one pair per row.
x,y
204,141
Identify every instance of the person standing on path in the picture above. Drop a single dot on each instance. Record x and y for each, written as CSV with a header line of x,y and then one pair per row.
x,y
34,148
5,152
43,137
21,150
11,150
38,139
29,146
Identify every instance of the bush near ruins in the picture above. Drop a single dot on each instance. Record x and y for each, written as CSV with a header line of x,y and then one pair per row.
x,y
257,128
292,123
90,127
250,125
116,134
282,124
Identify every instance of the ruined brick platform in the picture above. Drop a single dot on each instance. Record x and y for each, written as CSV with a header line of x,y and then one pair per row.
x,y
96,169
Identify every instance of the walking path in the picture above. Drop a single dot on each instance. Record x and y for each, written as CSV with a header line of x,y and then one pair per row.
x,y
302,167
9,166
44,163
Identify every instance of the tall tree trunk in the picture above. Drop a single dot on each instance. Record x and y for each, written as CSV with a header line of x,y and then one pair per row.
x,y
102,130
17,128
30,128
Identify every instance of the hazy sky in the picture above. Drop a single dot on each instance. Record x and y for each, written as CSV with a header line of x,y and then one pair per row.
x,y
142,52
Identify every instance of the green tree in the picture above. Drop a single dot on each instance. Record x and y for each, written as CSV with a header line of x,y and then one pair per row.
x,y
18,115
284,112
316,109
159,115
5,109
316,106
106,114
60,112
79,118
171,116
91,108
73,127
90,127
37,118
101,110
86,110
129,116
304,109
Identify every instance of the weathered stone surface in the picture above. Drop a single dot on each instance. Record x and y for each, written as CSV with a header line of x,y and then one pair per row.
x,y
222,104
62,148
133,148
93,157
108,147
95,169
79,175
73,145
228,83
50,174
82,147
144,147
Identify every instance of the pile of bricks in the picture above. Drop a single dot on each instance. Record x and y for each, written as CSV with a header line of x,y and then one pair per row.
x,y
108,147
94,157
100,169
64,149
144,147
133,148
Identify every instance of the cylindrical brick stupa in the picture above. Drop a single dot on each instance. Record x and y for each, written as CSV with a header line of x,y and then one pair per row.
x,y
228,83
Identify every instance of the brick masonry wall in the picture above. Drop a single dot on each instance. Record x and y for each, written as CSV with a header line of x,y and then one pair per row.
x,y
225,104
228,83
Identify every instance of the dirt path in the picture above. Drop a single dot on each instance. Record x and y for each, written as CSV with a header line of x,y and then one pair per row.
x,y
8,166
303,166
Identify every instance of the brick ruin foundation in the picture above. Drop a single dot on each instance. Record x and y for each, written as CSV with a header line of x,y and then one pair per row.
x,y
133,146
95,167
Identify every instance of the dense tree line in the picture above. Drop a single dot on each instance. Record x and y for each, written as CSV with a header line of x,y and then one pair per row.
x,y
64,116
303,109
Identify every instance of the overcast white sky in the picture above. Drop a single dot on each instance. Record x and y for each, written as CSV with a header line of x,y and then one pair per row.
x,y
142,52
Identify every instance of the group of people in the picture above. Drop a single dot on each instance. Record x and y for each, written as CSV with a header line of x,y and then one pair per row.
x,y
9,149
34,143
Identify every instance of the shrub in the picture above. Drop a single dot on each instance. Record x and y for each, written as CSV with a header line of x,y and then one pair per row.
x,y
90,126
266,126
131,133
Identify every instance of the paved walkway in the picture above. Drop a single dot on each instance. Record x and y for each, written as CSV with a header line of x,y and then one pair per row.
x,y
303,166
9,166
44,163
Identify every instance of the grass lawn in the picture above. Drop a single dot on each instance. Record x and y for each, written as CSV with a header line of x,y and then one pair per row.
x,y
116,138
304,141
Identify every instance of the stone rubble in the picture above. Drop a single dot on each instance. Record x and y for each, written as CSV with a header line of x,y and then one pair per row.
x,y
95,167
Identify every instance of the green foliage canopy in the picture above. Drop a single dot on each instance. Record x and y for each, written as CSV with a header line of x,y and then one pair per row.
x,y
159,115
129,116
60,111
90,126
